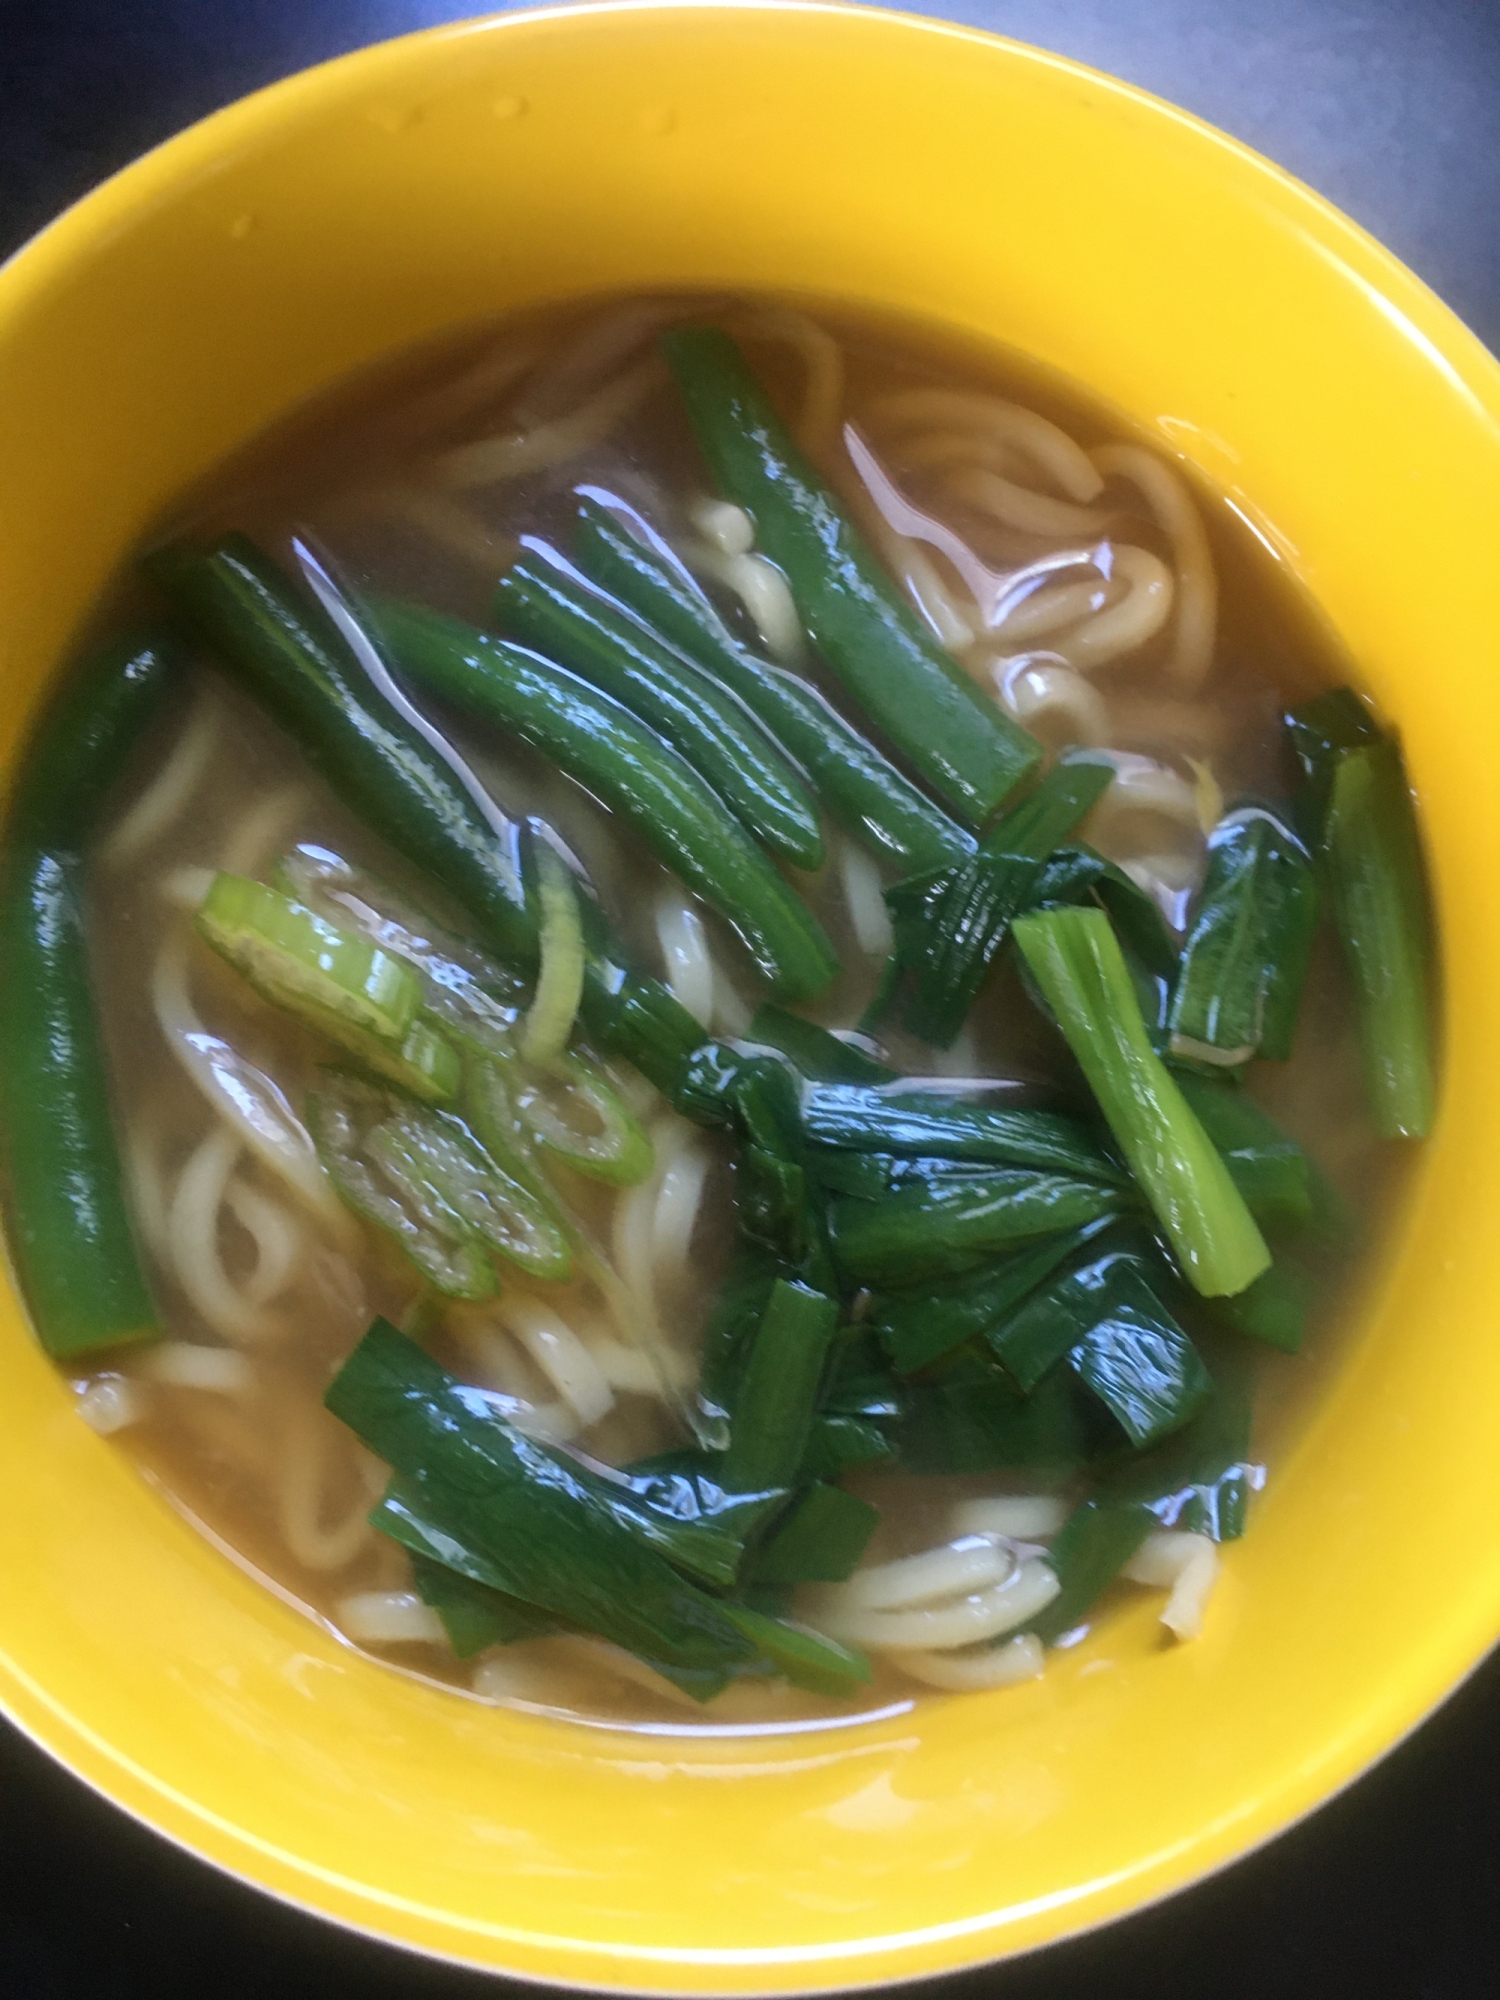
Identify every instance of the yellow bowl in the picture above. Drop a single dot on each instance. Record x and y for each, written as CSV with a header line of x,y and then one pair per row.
x,y
1352,422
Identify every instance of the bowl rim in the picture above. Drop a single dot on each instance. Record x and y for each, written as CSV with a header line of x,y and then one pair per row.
x,y
1435,327
1446,343
412,1948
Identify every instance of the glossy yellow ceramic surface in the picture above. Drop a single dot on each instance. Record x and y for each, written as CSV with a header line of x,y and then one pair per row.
x,y
1352,421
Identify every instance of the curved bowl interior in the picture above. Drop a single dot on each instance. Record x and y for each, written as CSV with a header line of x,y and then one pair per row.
x,y
1353,423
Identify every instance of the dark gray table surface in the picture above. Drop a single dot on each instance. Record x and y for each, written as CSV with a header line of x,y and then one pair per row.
x,y
1387,106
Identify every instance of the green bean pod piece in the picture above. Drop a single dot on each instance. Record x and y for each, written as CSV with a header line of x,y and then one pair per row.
x,y
241,604
283,651
1374,862
1357,813
544,602
952,732
71,1233
859,786
599,742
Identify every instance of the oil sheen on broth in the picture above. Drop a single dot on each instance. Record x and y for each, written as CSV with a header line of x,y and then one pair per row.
x,y
1072,573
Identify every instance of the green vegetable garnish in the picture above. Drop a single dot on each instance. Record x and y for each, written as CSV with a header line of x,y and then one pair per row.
x,y
859,786
423,1177
1073,956
813,1051
950,924
1245,961
1380,905
955,735
70,1229
1096,1542
955,1224
821,1541
919,1324
808,1659
559,987
1357,812
920,1122
544,602
515,1516
773,1407
597,740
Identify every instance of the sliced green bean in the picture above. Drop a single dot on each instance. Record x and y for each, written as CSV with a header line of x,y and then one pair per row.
x,y
961,742
70,1222
424,1178
573,1111
333,980
301,962
78,743
292,661
859,786
546,604
1374,861
487,1102
435,1164
548,1026
469,996
436,1240
569,1106
603,745
70,1227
